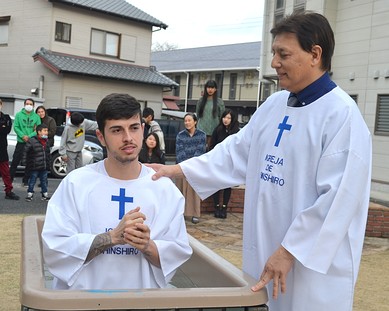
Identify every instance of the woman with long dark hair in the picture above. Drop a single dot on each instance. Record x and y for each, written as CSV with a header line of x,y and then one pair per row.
x,y
151,152
228,125
49,121
209,109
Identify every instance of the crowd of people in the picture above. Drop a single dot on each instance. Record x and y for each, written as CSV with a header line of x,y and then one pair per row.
x,y
306,171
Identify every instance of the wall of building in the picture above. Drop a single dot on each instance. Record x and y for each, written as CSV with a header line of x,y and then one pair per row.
x,y
82,22
29,30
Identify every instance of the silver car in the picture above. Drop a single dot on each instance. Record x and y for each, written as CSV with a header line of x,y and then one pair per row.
x,y
90,154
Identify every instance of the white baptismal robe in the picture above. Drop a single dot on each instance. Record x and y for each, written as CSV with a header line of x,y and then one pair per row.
x,y
307,173
89,202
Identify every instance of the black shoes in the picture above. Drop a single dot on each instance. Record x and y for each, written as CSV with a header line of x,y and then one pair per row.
x,y
45,196
11,196
217,211
195,220
221,212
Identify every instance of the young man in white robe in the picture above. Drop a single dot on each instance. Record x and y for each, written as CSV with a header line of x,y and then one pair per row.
x,y
108,225
306,163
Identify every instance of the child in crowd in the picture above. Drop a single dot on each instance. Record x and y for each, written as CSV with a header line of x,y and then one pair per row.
x,y
73,140
38,161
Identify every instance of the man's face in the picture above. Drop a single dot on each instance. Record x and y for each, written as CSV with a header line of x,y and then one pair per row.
x,y
123,139
29,105
294,66
148,119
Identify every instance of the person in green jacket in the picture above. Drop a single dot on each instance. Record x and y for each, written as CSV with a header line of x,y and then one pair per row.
x,y
24,125
209,110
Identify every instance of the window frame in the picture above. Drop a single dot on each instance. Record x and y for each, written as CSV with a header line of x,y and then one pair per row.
x,y
233,86
381,126
4,23
104,44
60,32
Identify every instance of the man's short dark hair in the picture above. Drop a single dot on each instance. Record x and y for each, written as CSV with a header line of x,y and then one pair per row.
x,y
33,101
76,118
148,112
310,29
117,106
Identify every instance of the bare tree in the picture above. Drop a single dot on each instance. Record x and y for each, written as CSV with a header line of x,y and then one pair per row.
x,y
158,47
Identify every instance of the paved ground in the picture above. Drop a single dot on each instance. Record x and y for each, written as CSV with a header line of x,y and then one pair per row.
x,y
224,236
36,206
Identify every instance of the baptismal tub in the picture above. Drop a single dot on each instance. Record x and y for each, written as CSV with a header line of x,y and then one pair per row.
x,y
206,281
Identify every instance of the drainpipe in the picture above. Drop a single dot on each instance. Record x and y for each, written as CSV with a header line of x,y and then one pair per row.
x,y
187,91
259,86
41,80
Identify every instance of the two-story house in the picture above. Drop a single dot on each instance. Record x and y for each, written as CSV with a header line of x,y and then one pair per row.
x,y
72,53
235,68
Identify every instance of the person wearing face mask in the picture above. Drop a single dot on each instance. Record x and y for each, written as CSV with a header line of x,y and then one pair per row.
x,y
38,160
25,124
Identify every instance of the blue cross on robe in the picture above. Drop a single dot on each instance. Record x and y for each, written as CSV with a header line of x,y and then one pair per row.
x,y
282,127
122,199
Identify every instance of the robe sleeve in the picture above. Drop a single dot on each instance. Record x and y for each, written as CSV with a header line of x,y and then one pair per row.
x,y
172,240
64,249
223,167
340,212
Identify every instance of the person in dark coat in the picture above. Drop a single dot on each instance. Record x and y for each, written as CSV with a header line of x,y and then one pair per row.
x,y
38,161
228,125
49,121
151,152
5,128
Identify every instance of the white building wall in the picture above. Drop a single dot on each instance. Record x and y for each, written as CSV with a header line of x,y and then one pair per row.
x,y
81,33
29,30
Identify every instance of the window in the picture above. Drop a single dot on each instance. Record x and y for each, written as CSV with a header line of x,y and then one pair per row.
x,y
280,4
299,6
279,11
62,32
105,43
4,27
233,81
382,116
219,82
190,88
176,91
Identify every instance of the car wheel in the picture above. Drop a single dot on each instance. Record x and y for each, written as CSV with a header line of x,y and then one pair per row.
x,y
58,166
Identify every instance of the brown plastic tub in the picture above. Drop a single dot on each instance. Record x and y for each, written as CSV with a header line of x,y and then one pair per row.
x,y
205,281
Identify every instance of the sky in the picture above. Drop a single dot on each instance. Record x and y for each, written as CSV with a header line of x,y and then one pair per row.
x,y
205,23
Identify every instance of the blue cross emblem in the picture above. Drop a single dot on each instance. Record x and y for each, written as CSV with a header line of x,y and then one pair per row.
x,y
122,199
282,127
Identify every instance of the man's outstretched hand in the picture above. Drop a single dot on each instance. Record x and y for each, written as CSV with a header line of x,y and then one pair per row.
x,y
165,170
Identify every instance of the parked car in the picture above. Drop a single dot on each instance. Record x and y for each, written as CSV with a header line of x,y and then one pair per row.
x,y
61,116
170,129
90,154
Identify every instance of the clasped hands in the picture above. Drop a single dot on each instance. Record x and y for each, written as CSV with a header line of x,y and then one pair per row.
x,y
132,230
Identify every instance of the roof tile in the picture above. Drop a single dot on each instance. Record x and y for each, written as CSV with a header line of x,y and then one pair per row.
x,y
64,63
